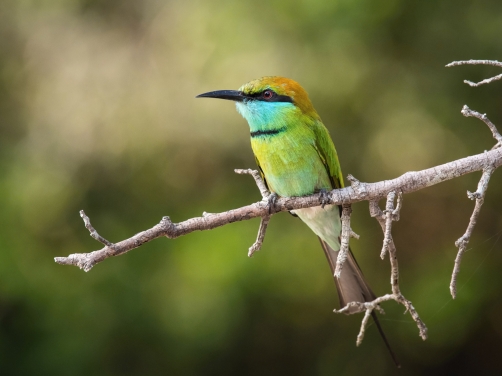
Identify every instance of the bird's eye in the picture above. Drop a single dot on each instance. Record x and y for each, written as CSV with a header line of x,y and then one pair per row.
x,y
268,94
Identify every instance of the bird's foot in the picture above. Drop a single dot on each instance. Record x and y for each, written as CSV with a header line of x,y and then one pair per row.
x,y
270,201
324,197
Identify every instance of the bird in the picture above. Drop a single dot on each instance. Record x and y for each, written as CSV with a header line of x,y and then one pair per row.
x,y
296,156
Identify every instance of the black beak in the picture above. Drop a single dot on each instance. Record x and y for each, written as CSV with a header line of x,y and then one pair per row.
x,y
231,95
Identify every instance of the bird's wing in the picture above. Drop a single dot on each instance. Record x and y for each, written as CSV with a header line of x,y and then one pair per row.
x,y
261,172
327,153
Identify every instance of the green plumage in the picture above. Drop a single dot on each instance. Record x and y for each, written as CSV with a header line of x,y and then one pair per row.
x,y
297,157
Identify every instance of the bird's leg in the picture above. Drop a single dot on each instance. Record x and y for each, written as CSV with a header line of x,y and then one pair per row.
x,y
324,197
270,201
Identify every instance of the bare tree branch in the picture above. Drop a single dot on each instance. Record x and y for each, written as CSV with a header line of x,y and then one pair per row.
x,y
260,237
385,219
258,180
409,182
94,234
463,241
479,196
269,199
478,62
344,239
467,112
390,214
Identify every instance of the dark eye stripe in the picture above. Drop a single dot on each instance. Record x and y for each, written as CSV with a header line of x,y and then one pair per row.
x,y
275,97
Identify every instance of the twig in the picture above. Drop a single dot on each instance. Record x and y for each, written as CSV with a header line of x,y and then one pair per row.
x,y
478,62
257,178
463,241
86,261
369,307
344,241
260,237
94,234
467,112
390,214
479,196
269,199
356,185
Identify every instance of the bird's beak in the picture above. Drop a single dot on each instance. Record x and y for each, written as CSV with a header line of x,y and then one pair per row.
x,y
232,95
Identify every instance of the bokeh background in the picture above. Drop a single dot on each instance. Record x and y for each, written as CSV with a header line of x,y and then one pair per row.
x,y
97,112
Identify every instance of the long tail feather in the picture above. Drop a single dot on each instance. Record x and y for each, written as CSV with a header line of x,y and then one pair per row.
x,y
352,287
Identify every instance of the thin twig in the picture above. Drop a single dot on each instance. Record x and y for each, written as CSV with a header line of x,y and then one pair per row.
x,y
94,234
369,307
463,241
260,237
399,204
257,178
478,62
390,214
389,208
467,112
495,63
482,82
344,239
479,196
269,199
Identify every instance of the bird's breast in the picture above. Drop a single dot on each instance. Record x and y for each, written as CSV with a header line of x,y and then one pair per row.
x,y
290,162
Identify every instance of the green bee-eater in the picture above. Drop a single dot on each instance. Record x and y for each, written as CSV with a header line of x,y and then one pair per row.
x,y
296,157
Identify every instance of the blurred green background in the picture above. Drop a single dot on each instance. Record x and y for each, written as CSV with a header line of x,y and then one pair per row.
x,y
97,112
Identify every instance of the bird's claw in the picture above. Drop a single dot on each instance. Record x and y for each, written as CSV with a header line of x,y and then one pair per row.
x,y
324,197
271,200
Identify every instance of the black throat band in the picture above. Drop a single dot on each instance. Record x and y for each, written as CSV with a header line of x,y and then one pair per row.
x,y
269,132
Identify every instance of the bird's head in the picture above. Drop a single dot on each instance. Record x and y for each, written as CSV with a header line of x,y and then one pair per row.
x,y
268,100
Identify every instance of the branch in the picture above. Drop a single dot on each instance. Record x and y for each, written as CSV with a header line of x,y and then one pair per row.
x,y
344,241
479,196
385,219
467,112
406,183
260,237
463,241
478,62
388,216
270,202
258,180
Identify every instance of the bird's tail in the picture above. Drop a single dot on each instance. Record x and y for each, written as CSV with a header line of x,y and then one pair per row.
x,y
352,287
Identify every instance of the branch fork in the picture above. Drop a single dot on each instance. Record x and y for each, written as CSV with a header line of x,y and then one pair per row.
x,y
467,112
268,199
463,241
385,219
369,307
488,170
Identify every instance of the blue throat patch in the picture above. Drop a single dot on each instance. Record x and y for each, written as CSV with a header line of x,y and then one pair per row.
x,y
266,117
